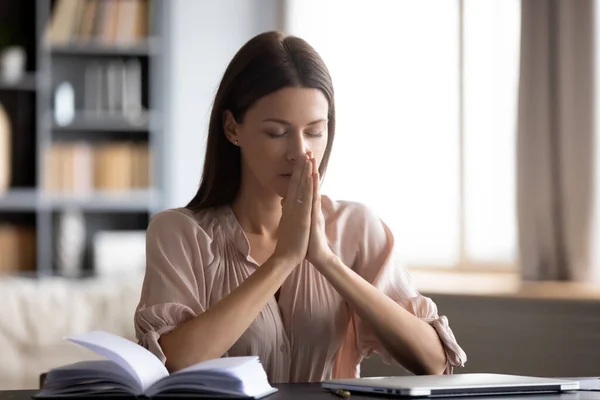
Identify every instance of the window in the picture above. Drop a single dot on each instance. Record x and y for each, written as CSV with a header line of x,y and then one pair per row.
x,y
426,96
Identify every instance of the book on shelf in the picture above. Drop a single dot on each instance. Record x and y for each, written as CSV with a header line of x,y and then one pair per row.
x,y
17,248
105,22
82,167
130,369
114,89
5,150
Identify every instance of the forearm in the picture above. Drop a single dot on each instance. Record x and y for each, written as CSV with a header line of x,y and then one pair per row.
x,y
412,342
213,332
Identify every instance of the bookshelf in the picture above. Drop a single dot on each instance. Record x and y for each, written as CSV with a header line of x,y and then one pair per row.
x,y
145,48
19,199
103,123
28,83
102,160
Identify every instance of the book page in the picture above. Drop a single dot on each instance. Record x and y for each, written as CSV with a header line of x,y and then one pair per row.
x,y
86,376
143,366
239,376
221,364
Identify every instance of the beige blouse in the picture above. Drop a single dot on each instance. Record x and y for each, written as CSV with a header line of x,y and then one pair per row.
x,y
310,333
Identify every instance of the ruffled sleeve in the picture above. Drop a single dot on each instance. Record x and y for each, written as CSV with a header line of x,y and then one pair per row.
x,y
174,289
378,263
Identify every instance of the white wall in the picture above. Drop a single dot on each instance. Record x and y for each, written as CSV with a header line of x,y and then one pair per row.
x,y
203,35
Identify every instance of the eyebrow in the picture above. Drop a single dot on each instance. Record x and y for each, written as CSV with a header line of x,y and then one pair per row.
x,y
284,122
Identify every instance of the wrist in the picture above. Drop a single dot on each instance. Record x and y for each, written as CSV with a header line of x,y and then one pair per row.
x,y
326,259
283,261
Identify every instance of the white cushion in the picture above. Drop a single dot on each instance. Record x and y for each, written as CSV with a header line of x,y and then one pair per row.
x,y
38,313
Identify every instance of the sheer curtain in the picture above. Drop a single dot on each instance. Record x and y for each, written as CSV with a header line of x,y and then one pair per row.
x,y
556,140
444,184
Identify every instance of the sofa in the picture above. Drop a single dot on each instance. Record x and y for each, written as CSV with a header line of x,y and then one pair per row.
x,y
36,314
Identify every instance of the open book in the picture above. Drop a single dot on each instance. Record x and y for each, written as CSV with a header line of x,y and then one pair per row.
x,y
130,369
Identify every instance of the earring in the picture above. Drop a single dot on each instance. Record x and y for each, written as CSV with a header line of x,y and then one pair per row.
x,y
235,142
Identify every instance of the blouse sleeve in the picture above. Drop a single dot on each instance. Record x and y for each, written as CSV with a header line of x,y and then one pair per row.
x,y
377,262
173,290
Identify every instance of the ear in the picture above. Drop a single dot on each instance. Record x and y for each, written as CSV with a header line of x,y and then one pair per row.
x,y
230,126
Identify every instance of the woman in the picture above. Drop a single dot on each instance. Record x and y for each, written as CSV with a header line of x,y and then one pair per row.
x,y
260,263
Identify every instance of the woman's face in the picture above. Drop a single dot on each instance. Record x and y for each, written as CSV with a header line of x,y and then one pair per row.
x,y
277,131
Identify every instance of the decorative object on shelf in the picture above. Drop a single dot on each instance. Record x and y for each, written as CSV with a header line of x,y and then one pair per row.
x,y
5,150
64,104
12,64
119,252
70,243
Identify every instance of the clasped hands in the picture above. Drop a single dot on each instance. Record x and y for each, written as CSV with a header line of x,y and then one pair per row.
x,y
301,233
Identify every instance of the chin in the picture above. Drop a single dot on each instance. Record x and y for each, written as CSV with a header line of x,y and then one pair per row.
x,y
280,190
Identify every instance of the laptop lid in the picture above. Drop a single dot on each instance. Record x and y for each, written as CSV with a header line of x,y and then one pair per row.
x,y
452,385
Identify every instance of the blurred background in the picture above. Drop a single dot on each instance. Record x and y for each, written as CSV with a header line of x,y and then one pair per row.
x,y
469,126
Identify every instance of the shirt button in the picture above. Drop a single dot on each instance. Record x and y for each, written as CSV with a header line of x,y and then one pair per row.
x,y
282,348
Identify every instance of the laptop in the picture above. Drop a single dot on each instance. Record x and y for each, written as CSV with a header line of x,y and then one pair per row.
x,y
451,385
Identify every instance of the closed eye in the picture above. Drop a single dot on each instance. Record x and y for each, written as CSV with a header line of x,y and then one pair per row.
x,y
279,135
276,135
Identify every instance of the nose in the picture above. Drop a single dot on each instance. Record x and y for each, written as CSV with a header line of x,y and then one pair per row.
x,y
297,146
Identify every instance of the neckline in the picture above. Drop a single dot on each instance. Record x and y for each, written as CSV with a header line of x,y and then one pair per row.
x,y
237,235
234,230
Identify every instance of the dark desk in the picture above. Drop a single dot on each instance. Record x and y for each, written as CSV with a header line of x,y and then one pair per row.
x,y
313,391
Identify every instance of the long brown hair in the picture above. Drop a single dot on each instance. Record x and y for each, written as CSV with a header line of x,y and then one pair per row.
x,y
266,63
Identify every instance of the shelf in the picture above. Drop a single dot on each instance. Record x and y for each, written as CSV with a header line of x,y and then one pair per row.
x,y
136,200
104,123
27,83
30,200
18,200
97,49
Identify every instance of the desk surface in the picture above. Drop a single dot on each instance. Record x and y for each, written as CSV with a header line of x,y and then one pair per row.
x,y
296,391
